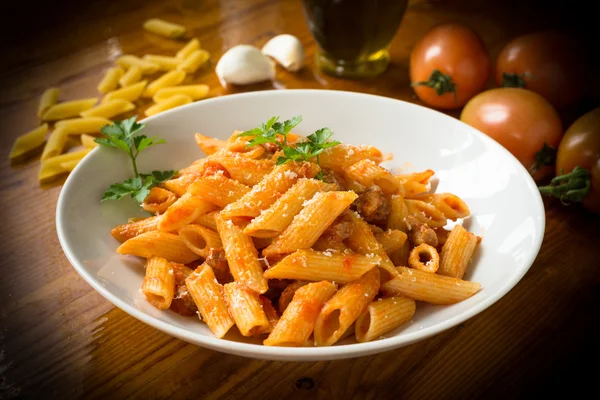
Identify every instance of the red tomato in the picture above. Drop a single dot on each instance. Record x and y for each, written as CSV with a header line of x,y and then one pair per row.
x,y
578,164
547,63
448,66
520,120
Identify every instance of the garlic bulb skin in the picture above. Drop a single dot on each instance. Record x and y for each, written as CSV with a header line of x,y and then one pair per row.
x,y
287,50
244,64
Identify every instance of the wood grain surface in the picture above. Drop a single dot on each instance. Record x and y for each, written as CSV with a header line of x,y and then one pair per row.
x,y
61,339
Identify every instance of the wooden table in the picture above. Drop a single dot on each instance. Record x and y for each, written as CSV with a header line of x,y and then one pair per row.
x,y
61,339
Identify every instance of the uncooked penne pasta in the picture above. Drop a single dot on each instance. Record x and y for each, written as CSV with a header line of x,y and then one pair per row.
x,y
432,288
171,78
127,61
218,189
246,309
165,63
129,93
344,307
425,213
132,229
109,109
69,166
199,239
246,170
207,220
158,200
209,145
110,80
76,126
133,75
159,282
425,258
51,168
88,141
392,240
172,102
28,142
452,206
298,320
306,227
186,50
311,265
47,100
157,243
207,293
383,315
164,28
457,252
68,109
55,144
193,61
184,211
368,173
195,92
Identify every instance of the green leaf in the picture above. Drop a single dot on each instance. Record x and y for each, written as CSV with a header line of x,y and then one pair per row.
x,y
292,153
282,160
251,132
319,176
119,190
142,142
111,141
141,194
320,136
162,176
329,144
269,123
131,127
112,130
260,140
291,123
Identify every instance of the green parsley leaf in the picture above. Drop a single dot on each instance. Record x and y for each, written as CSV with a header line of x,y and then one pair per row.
x,y
162,176
320,136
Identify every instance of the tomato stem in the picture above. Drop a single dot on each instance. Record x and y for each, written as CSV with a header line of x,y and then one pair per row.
x,y
442,83
569,188
545,156
513,80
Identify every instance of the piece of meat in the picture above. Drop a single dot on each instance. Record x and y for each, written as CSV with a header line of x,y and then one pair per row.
x,y
373,206
342,227
420,233
330,176
182,303
217,261
270,149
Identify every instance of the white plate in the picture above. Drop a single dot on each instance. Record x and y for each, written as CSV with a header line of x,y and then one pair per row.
x,y
507,210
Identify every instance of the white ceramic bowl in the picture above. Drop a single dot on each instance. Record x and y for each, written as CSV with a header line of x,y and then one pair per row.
x,y
506,207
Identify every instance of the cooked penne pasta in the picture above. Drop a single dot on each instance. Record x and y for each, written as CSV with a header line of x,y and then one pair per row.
x,y
127,61
270,312
133,75
186,50
382,316
77,126
452,206
207,220
392,240
164,28
298,320
55,144
196,168
158,200
432,288
172,102
194,92
199,239
340,157
415,184
218,189
165,63
311,265
159,283
48,99
368,173
68,109
157,243
457,252
193,61
425,258
184,211
398,213
207,293
243,169
344,307
209,145
110,80
171,78
246,309
180,185
425,213
130,93
109,109
28,142
132,229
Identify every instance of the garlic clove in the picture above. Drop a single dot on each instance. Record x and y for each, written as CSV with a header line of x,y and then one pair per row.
x,y
287,50
244,64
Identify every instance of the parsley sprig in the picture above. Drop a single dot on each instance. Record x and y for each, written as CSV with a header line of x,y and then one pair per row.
x,y
268,133
125,135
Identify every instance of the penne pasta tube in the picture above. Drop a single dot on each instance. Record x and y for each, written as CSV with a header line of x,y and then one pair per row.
x,y
209,145
398,213
130,93
156,243
382,316
171,102
159,283
195,92
109,109
69,166
207,220
48,99
133,75
344,307
51,167
311,265
164,28
55,144
368,173
457,252
415,184
425,213
306,227
165,63
193,61
127,61
132,229
218,189
199,239
68,109
392,240
298,320
195,168
184,211
186,50
110,80
171,78
158,200
246,309
432,288
180,185
77,126
241,255
28,142
245,170
340,157
88,141
270,312
452,206
424,258
207,293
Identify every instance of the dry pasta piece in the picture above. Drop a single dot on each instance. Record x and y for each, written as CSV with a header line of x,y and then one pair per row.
x,y
186,50
242,256
193,61
51,168
70,165
425,258
133,75
129,93
207,293
306,227
218,189
382,316
311,265
368,173
199,239
246,309
156,243
171,78
158,200
164,28
165,63
55,144
267,191
245,170
457,252
428,287
344,308
452,206
76,126
209,145
180,185
340,157
184,211
110,80
28,142
172,102
195,92
132,229
109,109
127,61
425,213
47,100
392,240
68,109
159,283
207,220
298,320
